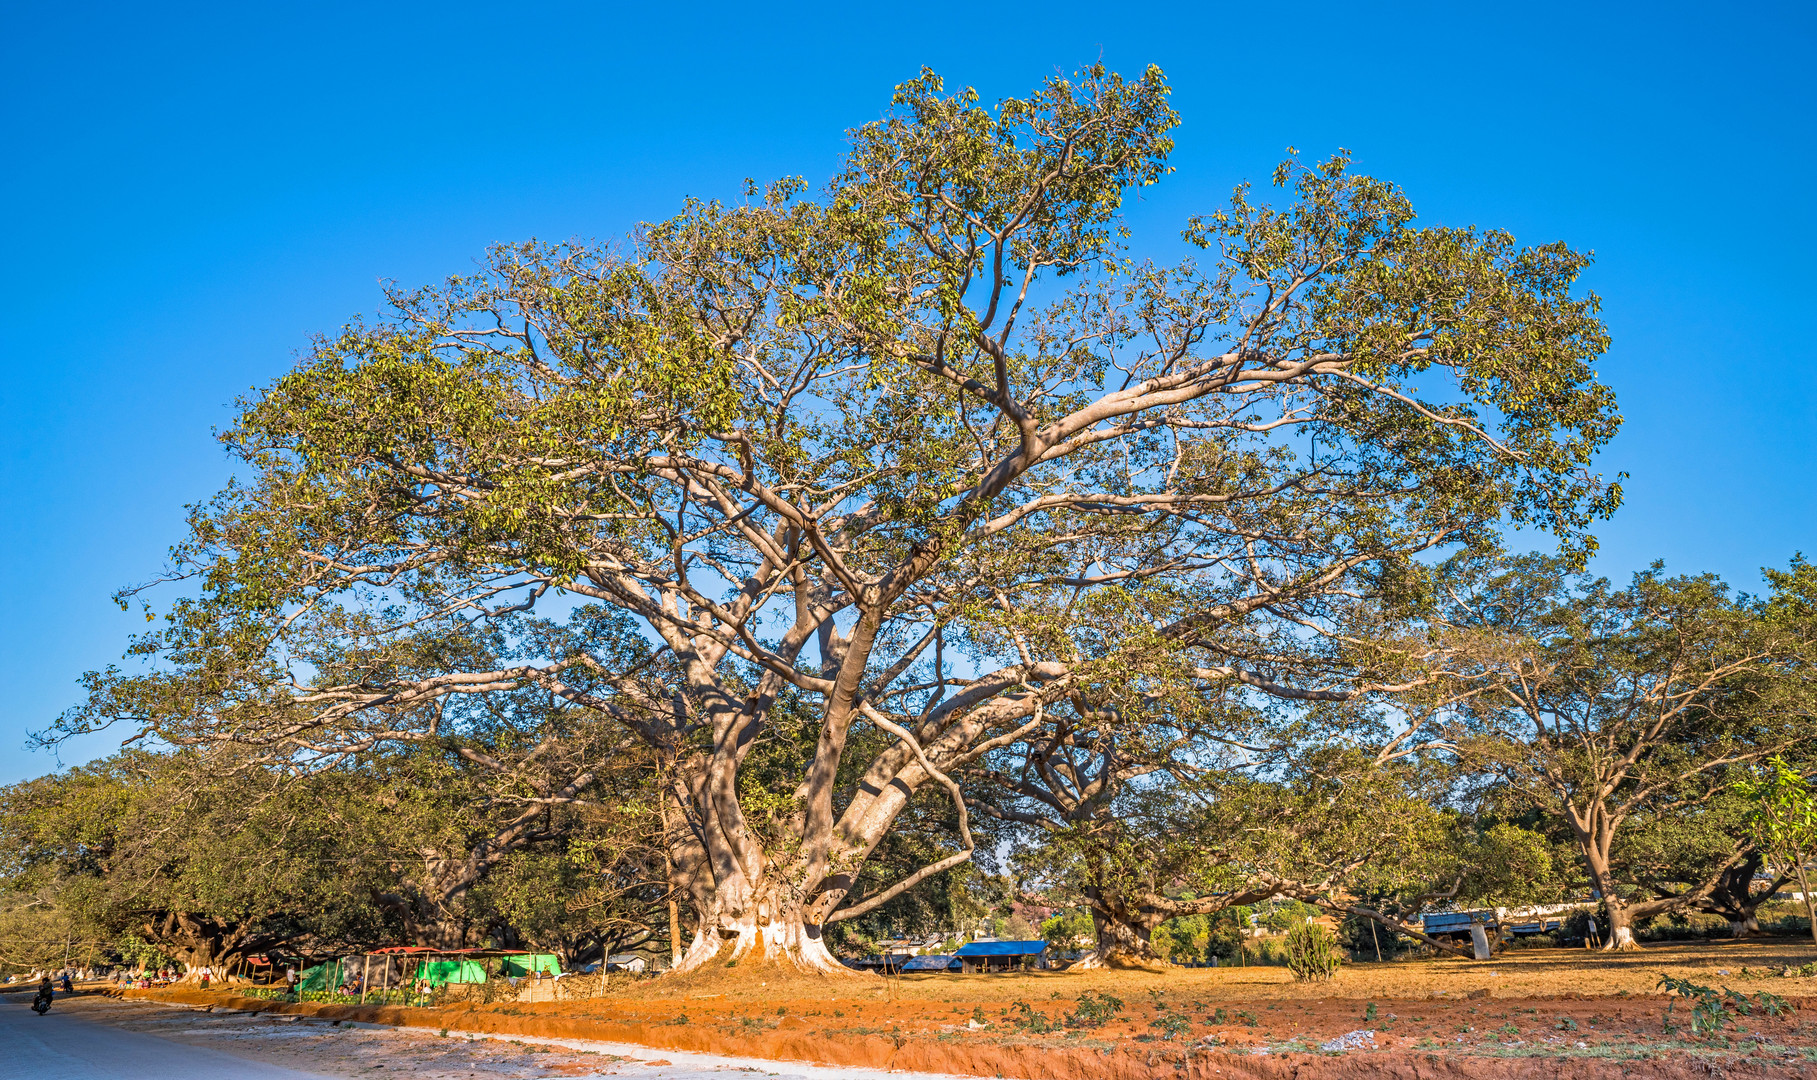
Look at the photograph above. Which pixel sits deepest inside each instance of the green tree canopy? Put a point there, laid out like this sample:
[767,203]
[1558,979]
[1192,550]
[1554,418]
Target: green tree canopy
[827,445]
[1625,709]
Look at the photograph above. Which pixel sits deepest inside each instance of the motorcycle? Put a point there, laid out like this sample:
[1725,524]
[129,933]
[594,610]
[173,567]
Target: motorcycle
[41,1003]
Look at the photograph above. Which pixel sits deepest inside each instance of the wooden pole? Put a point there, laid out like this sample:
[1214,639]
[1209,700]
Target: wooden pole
[1377,940]
[1804,889]
[675,913]
[365,975]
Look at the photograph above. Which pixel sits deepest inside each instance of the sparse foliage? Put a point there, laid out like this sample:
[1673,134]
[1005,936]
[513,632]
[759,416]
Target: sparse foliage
[1783,815]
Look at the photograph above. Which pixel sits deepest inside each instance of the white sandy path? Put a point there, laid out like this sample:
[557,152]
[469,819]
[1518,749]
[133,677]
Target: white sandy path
[637,1060]
[684,1065]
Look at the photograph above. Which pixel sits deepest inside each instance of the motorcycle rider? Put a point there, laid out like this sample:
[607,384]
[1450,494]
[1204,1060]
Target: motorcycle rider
[41,1001]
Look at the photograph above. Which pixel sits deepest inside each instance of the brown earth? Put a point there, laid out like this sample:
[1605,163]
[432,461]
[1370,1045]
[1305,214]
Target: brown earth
[1539,1013]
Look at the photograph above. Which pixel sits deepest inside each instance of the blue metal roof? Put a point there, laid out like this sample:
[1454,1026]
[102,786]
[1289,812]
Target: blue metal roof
[1002,948]
[936,962]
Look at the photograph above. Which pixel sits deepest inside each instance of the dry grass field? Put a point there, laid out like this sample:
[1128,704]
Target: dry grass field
[1565,1013]
[1520,973]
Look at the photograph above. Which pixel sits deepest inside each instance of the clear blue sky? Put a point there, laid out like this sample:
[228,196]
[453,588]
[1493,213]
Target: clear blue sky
[190,191]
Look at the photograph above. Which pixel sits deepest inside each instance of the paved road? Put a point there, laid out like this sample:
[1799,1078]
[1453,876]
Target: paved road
[61,1045]
[108,1039]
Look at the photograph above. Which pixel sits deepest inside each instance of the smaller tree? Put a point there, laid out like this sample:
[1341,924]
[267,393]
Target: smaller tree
[38,932]
[1784,819]
[1613,708]
[1071,929]
[1663,855]
[207,866]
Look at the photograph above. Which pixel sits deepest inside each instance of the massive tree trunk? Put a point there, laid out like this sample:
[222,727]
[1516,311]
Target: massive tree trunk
[767,895]
[754,904]
[744,914]
[1124,926]
[1595,832]
[1735,898]
[1619,912]
[198,941]
[768,930]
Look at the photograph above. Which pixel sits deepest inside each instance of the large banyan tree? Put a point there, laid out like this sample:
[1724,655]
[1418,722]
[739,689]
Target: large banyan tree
[887,471]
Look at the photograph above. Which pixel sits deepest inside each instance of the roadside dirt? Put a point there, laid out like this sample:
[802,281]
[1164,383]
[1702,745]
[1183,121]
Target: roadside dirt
[346,1050]
[1507,1019]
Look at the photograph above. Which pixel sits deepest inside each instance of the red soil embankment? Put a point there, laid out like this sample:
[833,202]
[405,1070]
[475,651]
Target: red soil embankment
[791,1040]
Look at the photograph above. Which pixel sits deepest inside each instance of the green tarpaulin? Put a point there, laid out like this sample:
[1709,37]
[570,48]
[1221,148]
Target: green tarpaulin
[439,972]
[331,975]
[322,977]
[521,966]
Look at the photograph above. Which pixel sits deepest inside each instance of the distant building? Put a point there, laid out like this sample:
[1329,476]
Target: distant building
[883,963]
[911,945]
[933,962]
[986,956]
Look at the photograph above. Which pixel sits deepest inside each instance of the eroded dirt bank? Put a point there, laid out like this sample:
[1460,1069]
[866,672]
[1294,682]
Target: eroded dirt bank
[1479,1038]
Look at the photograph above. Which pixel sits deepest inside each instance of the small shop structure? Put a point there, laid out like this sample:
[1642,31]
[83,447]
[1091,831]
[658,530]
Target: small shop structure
[882,963]
[932,962]
[405,969]
[987,956]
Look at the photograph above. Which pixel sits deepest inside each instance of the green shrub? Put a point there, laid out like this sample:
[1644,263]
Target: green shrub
[1682,926]
[1268,951]
[1713,1010]
[1312,953]
[1094,1010]
[1027,1019]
